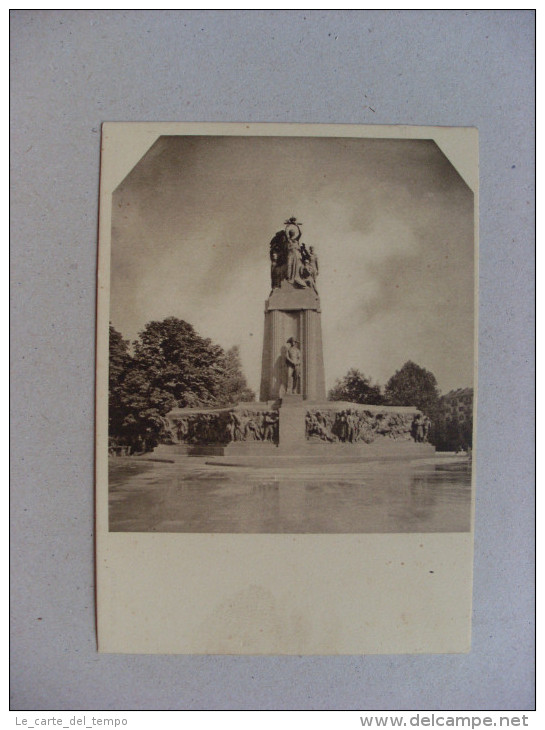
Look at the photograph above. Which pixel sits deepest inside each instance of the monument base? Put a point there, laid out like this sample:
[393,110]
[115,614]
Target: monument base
[296,428]
[316,454]
[291,424]
[267,456]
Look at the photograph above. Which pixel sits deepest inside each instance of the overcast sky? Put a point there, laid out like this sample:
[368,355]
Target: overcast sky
[390,220]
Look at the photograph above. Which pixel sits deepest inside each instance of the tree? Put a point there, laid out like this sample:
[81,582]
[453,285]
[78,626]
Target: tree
[144,409]
[172,366]
[136,408]
[356,388]
[413,386]
[119,357]
[179,361]
[118,367]
[450,434]
[234,387]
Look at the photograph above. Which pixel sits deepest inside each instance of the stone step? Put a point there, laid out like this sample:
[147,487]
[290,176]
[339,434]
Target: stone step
[292,399]
[329,455]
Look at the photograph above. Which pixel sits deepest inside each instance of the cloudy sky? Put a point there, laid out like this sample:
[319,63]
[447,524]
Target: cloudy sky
[390,220]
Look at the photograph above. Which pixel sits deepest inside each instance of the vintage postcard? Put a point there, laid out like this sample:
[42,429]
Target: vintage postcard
[286,385]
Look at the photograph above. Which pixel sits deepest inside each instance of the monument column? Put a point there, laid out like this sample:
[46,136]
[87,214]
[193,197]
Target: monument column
[292,313]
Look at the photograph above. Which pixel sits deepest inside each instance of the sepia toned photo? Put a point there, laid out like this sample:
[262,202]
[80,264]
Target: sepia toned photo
[291,373]
[290,324]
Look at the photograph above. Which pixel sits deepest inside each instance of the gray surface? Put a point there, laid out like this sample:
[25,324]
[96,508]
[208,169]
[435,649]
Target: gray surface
[72,70]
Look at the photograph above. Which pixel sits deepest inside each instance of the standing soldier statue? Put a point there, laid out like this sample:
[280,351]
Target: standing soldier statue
[293,361]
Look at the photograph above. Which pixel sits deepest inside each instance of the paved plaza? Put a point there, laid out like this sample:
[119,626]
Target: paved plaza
[191,495]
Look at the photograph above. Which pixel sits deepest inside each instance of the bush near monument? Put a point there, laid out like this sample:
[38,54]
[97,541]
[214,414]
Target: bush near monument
[171,365]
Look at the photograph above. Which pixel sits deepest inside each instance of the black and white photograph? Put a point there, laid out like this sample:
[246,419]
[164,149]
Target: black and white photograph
[285,388]
[291,337]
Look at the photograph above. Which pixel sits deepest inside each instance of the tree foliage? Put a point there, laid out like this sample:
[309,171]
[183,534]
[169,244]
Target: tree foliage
[413,386]
[356,388]
[451,434]
[119,365]
[178,361]
[233,387]
[172,365]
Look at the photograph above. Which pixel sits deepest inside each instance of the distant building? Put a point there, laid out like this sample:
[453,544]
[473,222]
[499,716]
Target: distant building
[458,403]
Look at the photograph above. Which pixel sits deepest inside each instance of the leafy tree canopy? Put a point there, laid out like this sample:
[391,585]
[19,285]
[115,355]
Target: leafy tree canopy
[171,365]
[413,386]
[119,356]
[356,388]
[234,388]
[451,434]
[179,361]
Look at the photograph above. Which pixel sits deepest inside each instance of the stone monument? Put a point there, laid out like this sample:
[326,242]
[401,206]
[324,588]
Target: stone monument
[292,418]
[292,321]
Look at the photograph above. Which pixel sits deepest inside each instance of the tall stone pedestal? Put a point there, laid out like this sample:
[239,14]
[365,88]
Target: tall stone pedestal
[292,312]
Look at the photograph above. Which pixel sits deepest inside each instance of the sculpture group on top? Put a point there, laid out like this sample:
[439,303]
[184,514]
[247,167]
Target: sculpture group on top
[290,259]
